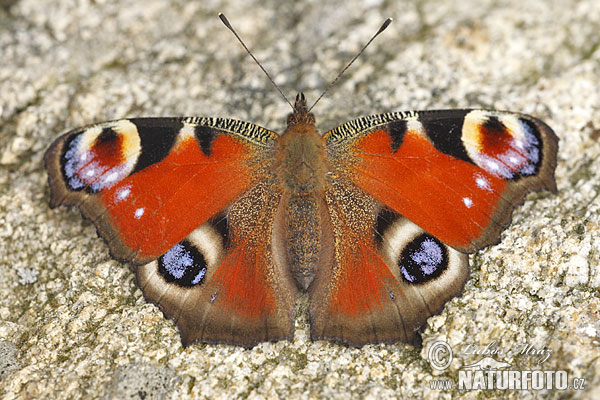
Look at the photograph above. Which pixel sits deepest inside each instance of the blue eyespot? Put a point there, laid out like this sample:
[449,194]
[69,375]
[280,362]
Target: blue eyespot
[423,259]
[183,265]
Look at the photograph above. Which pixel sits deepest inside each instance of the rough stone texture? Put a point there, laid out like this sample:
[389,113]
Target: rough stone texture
[141,381]
[77,317]
[8,359]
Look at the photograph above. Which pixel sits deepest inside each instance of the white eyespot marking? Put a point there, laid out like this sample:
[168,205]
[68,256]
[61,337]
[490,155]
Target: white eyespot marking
[513,160]
[187,132]
[138,213]
[518,143]
[213,297]
[123,193]
[112,177]
[90,172]
[493,165]
[468,202]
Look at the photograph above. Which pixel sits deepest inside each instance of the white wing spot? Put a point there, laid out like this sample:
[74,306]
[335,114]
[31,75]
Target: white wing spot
[468,202]
[123,193]
[138,213]
[90,172]
[483,183]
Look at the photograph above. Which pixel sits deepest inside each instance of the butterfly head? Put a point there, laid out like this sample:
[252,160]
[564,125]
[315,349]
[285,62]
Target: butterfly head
[300,114]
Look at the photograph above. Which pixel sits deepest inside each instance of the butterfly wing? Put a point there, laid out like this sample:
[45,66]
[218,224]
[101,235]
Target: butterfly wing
[457,174]
[409,194]
[147,183]
[174,194]
[225,283]
[376,290]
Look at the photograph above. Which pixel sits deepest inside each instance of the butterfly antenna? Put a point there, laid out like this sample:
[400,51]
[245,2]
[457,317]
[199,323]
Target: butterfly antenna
[383,27]
[228,25]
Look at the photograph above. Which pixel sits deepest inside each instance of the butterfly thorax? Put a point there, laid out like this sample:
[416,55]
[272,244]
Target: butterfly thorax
[302,160]
[302,168]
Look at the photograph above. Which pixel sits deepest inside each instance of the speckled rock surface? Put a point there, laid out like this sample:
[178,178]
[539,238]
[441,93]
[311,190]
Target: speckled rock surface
[72,322]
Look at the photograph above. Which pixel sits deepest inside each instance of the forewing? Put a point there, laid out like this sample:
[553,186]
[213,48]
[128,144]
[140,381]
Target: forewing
[457,174]
[147,183]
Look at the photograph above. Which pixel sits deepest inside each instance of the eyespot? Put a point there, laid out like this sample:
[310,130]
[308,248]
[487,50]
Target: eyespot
[183,265]
[503,144]
[190,262]
[100,156]
[424,258]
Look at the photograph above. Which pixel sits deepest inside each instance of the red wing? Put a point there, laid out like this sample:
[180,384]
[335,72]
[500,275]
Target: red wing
[223,283]
[457,174]
[194,199]
[387,275]
[147,183]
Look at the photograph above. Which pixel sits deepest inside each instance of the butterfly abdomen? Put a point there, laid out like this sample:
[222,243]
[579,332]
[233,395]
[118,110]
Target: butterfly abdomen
[302,171]
[303,237]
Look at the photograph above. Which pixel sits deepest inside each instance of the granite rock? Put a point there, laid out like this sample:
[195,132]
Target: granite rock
[74,316]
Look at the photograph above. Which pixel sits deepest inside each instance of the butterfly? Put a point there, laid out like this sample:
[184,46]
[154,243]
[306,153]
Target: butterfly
[228,222]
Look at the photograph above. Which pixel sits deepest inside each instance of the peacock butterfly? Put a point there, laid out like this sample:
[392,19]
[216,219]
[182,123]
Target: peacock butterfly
[227,221]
